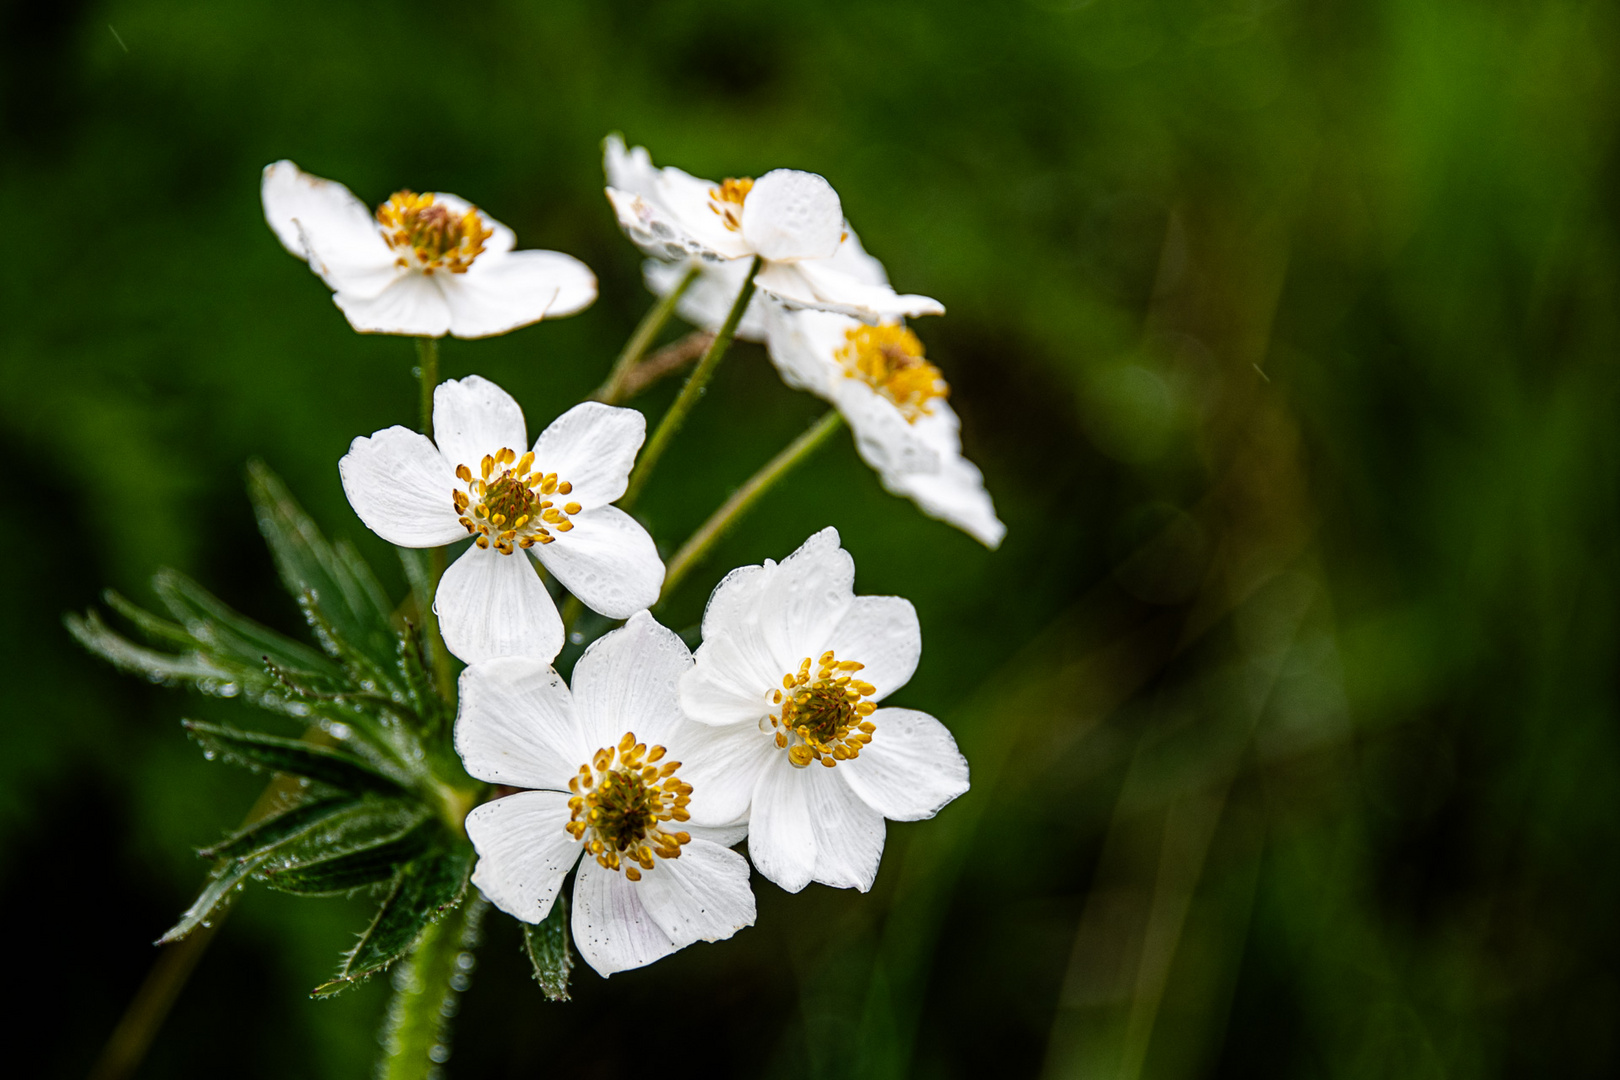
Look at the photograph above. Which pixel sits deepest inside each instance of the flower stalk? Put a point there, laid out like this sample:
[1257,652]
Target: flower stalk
[416,1033]
[743,499]
[427,373]
[613,390]
[676,416]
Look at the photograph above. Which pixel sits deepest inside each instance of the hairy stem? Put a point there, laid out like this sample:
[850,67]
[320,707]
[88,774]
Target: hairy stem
[416,1033]
[427,373]
[614,389]
[672,421]
[742,500]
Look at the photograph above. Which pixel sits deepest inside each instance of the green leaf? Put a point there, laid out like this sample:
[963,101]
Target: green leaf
[423,892]
[271,753]
[417,671]
[224,881]
[340,594]
[549,950]
[159,667]
[357,869]
[265,836]
[220,630]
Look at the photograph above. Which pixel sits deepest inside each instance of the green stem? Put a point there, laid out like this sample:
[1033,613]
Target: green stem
[427,372]
[416,1033]
[672,421]
[743,499]
[612,391]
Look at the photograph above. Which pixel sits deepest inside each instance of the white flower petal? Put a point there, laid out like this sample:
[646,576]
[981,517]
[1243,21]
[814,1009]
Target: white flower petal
[628,170]
[593,447]
[707,301]
[884,438]
[803,345]
[503,292]
[852,260]
[665,234]
[358,270]
[608,561]
[734,604]
[816,283]
[612,930]
[326,209]
[626,682]
[411,304]
[780,839]
[724,835]
[910,769]
[523,851]
[849,833]
[955,495]
[881,632]
[791,215]
[808,594]
[732,681]
[723,765]
[400,486]
[473,417]
[501,238]
[492,605]
[701,896]
[516,725]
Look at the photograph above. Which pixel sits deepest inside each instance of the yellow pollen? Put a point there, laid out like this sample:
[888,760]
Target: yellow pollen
[889,359]
[823,718]
[727,201]
[502,505]
[429,236]
[621,804]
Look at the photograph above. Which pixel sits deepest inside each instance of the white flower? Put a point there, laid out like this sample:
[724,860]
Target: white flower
[604,765]
[894,400]
[426,264]
[789,676]
[792,220]
[551,501]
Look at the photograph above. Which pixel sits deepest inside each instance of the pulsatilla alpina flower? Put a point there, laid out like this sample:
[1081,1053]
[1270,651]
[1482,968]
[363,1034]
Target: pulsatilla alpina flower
[895,402]
[551,501]
[606,767]
[788,680]
[424,264]
[791,220]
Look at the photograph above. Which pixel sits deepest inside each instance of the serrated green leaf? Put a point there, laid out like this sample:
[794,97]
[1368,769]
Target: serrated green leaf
[227,876]
[551,954]
[155,627]
[271,753]
[161,667]
[372,820]
[422,893]
[339,593]
[220,630]
[356,869]
[265,836]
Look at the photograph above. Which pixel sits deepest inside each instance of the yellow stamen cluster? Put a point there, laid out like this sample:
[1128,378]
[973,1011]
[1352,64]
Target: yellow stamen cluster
[890,359]
[621,805]
[824,719]
[727,201]
[430,236]
[508,504]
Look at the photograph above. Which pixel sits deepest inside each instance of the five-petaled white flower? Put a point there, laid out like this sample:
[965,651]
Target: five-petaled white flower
[792,220]
[789,676]
[608,771]
[425,264]
[894,400]
[551,501]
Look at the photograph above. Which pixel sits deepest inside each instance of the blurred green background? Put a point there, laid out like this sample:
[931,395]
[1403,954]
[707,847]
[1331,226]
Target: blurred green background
[1284,332]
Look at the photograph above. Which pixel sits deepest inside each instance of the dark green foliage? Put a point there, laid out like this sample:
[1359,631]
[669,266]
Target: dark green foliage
[422,892]
[550,950]
[359,798]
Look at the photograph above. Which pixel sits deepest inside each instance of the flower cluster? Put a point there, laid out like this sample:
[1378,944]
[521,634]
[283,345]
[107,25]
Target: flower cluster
[639,772]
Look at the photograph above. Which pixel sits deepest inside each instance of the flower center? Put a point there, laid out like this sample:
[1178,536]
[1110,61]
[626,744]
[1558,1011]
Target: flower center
[509,502]
[727,201]
[619,807]
[430,236]
[890,359]
[825,718]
